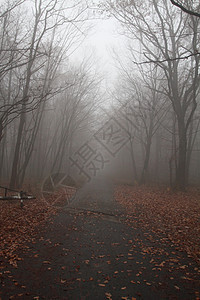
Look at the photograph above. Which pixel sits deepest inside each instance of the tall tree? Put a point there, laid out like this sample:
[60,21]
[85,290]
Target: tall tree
[163,35]
[145,107]
[49,16]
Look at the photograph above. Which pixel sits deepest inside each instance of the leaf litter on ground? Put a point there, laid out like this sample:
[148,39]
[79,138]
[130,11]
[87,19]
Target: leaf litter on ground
[170,216]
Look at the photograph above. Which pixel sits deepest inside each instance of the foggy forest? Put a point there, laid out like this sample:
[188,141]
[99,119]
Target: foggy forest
[102,146]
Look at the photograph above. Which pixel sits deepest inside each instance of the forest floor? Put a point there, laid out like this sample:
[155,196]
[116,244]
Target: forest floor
[109,242]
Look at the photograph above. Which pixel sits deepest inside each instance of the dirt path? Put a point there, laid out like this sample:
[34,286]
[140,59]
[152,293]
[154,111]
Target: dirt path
[88,252]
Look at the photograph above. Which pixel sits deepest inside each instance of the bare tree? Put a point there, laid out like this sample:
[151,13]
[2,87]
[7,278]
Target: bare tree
[145,107]
[164,34]
[76,108]
[49,16]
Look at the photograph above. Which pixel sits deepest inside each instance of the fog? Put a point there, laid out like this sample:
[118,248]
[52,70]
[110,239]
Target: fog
[99,89]
[99,149]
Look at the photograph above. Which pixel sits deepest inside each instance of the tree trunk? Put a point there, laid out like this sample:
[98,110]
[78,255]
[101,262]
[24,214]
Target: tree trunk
[146,162]
[190,146]
[135,175]
[180,183]
[14,172]
[31,58]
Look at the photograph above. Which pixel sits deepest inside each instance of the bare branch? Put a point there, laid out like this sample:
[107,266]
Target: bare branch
[165,60]
[186,10]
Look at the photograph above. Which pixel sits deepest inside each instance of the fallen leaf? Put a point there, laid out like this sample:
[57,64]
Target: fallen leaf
[101,284]
[62,281]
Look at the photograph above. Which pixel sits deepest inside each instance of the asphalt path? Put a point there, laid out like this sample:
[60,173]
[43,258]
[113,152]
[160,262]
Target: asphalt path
[89,252]
[97,195]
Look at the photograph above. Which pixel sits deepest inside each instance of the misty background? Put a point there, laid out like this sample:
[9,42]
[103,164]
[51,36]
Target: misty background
[99,87]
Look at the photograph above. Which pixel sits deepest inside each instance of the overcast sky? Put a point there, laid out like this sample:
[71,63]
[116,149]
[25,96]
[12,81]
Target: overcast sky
[99,44]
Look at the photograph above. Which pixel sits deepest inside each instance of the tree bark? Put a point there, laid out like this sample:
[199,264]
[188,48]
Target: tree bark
[182,157]
[143,177]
